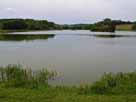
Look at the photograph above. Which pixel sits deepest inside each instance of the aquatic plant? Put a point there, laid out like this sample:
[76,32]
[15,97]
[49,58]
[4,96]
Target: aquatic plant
[17,76]
[118,83]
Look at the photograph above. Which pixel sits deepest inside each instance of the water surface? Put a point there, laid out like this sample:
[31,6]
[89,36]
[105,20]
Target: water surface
[79,56]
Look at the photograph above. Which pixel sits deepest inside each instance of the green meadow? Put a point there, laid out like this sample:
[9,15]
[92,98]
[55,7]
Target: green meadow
[125,27]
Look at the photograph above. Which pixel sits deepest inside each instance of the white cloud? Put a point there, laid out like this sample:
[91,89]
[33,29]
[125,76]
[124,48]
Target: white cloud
[9,9]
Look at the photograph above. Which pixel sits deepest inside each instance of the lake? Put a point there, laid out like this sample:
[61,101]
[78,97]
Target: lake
[78,56]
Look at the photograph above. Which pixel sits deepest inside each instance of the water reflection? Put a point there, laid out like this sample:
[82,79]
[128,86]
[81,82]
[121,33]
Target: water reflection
[108,36]
[26,37]
[112,36]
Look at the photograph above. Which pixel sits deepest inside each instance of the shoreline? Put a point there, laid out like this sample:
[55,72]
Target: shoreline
[119,87]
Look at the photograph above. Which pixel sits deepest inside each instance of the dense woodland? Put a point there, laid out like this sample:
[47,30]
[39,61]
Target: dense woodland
[27,24]
[107,25]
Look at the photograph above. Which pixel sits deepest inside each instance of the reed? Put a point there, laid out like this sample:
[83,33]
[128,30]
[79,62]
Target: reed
[111,84]
[17,76]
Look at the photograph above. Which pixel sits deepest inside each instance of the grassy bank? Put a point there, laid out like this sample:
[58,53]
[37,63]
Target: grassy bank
[3,31]
[18,84]
[125,27]
[57,95]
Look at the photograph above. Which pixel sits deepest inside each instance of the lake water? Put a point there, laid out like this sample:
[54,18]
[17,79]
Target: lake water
[79,56]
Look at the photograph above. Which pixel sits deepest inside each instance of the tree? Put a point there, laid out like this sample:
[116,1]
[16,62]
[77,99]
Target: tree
[104,26]
[14,24]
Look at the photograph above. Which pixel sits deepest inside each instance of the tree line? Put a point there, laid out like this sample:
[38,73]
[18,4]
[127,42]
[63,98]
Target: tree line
[27,24]
[106,25]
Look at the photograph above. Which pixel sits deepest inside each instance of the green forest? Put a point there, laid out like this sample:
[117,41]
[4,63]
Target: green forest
[106,25]
[27,24]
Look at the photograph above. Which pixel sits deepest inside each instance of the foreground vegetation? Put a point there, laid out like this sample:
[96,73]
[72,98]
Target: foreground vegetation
[57,95]
[16,76]
[24,85]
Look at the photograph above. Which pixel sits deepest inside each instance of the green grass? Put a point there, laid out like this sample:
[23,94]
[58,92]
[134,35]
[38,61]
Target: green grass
[3,31]
[125,27]
[57,95]
[16,85]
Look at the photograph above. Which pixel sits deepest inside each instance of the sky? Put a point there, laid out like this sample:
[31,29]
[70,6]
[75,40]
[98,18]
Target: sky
[69,11]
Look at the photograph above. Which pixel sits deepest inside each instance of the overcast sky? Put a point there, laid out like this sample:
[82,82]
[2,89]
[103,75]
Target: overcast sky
[69,11]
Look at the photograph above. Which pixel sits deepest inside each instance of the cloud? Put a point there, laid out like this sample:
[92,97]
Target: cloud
[69,11]
[9,9]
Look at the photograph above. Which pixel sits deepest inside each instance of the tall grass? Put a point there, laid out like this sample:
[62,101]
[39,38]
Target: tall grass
[17,76]
[111,83]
